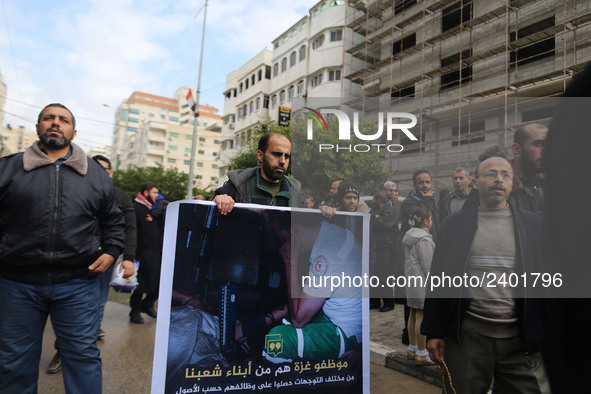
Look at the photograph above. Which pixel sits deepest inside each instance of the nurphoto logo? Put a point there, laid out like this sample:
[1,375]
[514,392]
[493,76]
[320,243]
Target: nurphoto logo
[401,121]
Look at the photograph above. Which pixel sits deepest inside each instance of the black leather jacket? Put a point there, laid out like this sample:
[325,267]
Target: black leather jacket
[55,220]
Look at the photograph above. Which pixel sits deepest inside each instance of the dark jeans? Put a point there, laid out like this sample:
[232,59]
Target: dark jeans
[73,309]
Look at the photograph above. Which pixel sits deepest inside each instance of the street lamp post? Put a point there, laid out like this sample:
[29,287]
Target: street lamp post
[197,93]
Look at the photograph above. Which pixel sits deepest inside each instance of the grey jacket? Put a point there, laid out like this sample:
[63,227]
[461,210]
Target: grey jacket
[418,253]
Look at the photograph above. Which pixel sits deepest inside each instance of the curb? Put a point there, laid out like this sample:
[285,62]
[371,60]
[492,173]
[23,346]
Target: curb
[388,358]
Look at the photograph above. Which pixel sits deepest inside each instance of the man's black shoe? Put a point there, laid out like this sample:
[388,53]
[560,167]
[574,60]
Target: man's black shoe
[404,337]
[386,308]
[149,310]
[136,317]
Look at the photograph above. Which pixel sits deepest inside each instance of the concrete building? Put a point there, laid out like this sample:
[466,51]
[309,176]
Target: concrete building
[474,64]
[153,129]
[308,60]
[14,140]
[2,98]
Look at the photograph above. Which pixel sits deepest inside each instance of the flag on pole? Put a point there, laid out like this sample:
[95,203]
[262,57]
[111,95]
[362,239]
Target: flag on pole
[190,100]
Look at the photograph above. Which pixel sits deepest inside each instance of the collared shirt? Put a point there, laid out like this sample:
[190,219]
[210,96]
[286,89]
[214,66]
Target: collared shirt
[456,202]
[61,160]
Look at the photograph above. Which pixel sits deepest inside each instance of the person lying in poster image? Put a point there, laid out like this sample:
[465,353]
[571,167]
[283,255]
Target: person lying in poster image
[328,322]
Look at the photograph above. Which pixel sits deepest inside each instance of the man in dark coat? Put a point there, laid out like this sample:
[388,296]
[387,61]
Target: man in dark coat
[148,253]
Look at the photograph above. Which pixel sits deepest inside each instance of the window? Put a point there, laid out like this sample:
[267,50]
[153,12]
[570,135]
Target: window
[198,176]
[300,88]
[151,115]
[246,84]
[175,135]
[201,152]
[134,120]
[214,166]
[171,160]
[199,164]
[123,115]
[267,72]
[302,52]
[187,150]
[265,101]
[284,64]
[134,111]
[317,43]
[251,107]
[405,43]
[334,75]
[456,14]
[403,5]
[214,153]
[290,92]
[132,129]
[257,104]
[456,77]
[213,178]
[260,75]
[187,162]
[404,93]
[274,101]
[336,35]
[317,80]
[173,147]
[201,139]
[162,116]
[253,79]
[282,97]
[173,118]
[275,69]
[216,142]
[464,133]
[292,59]
[535,50]
[189,136]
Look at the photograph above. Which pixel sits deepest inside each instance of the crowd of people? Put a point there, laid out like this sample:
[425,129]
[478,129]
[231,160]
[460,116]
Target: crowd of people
[57,258]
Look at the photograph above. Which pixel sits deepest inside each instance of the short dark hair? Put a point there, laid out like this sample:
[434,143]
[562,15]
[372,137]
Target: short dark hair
[264,141]
[381,195]
[102,158]
[147,186]
[521,135]
[59,106]
[419,215]
[417,173]
[460,169]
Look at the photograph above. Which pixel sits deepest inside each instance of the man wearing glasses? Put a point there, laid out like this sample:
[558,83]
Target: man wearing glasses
[478,330]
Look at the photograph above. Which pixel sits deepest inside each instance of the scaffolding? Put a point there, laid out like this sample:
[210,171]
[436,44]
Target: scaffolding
[456,57]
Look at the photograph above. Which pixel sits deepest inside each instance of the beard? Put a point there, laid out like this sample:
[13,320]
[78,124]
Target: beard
[54,142]
[270,171]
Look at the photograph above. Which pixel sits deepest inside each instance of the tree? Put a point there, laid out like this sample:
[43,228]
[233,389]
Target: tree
[171,183]
[314,169]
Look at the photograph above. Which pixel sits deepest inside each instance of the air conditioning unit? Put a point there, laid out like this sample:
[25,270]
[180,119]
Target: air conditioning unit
[231,126]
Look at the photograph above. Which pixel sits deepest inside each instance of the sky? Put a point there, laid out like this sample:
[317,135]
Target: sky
[90,55]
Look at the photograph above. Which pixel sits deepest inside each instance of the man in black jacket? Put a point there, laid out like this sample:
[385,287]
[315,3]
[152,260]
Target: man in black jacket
[59,228]
[264,185]
[483,328]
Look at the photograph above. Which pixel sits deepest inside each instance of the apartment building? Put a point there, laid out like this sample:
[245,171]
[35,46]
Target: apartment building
[472,71]
[151,129]
[308,60]
[14,140]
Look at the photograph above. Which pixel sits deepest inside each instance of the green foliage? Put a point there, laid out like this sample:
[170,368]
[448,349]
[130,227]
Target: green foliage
[317,170]
[171,183]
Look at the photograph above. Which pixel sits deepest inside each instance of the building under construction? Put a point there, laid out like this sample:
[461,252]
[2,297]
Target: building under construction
[472,71]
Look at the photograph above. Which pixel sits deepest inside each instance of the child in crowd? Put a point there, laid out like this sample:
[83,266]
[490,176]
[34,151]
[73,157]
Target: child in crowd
[418,252]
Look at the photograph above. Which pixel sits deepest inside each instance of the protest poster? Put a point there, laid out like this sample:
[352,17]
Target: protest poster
[224,322]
